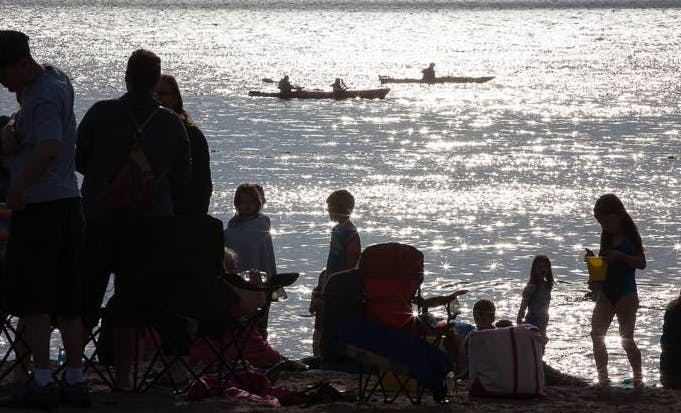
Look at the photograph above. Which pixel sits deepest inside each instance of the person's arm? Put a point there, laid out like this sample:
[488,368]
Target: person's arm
[527,292]
[201,169]
[48,142]
[637,261]
[45,153]
[316,298]
[353,249]
[85,140]
[270,262]
[182,162]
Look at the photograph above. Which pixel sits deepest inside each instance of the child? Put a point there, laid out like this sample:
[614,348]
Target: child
[622,247]
[537,295]
[343,252]
[484,314]
[248,232]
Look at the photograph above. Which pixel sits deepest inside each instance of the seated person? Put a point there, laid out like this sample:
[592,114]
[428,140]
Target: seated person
[429,73]
[670,358]
[455,342]
[256,350]
[284,86]
[339,86]
[503,324]
[484,314]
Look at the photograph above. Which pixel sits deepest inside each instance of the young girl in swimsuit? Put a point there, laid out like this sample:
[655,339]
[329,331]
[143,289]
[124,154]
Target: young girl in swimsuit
[622,248]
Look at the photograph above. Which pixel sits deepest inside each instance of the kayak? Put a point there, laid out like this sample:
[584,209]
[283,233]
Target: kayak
[445,79]
[320,94]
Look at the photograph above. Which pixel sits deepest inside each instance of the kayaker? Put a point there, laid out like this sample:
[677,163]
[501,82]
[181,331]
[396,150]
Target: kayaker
[429,73]
[285,87]
[339,86]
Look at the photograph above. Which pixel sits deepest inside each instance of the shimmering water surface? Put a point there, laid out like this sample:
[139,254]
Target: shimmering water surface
[479,177]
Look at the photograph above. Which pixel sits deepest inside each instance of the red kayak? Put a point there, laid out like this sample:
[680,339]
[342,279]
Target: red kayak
[320,94]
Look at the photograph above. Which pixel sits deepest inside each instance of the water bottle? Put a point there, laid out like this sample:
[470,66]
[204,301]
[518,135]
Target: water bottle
[61,356]
[451,385]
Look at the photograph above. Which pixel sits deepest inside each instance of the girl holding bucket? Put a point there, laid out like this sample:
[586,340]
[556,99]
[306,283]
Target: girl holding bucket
[622,249]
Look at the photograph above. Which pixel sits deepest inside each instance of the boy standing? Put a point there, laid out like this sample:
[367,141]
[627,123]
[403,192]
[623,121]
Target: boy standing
[43,251]
[344,252]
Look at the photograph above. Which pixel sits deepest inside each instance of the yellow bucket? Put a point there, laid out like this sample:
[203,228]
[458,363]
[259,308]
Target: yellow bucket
[598,268]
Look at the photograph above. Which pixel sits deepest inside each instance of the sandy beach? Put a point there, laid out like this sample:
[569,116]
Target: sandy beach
[562,398]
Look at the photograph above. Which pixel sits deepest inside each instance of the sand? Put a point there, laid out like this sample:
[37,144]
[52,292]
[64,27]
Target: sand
[563,398]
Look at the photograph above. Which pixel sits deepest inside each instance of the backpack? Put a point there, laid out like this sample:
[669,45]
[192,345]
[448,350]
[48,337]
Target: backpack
[133,186]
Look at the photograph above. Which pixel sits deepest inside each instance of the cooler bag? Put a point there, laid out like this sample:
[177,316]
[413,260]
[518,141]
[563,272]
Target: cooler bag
[506,362]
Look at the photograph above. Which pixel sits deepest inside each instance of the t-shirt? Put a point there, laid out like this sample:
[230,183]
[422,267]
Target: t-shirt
[344,249]
[47,114]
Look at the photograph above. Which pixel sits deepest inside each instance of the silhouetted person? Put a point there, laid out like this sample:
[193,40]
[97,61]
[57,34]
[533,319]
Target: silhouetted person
[339,86]
[192,197]
[43,278]
[105,138]
[285,87]
[429,73]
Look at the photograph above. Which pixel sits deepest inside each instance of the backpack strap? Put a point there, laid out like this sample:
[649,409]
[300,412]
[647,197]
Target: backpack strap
[139,127]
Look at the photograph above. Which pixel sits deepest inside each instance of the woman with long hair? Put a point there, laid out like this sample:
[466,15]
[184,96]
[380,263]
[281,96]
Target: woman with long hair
[192,198]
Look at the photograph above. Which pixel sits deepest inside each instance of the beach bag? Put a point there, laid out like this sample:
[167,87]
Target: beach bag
[506,362]
[133,186]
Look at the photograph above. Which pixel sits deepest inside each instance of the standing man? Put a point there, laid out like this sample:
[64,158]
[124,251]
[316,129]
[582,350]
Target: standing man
[106,135]
[43,253]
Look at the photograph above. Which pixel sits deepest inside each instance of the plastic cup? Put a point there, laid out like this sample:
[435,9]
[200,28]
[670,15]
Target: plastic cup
[598,268]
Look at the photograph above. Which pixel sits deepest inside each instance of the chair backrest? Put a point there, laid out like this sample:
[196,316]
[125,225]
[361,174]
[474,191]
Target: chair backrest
[175,247]
[391,275]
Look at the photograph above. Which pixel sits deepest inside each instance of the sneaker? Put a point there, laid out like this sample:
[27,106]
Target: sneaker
[75,395]
[30,395]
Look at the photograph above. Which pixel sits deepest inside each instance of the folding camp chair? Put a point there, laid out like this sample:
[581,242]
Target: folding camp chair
[161,262]
[179,264]
[11,338]
[389,342]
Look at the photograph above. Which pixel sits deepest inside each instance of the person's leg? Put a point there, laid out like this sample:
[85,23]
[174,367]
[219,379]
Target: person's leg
[600,322]
[71,334]
[37,335]
[30,281]
[626,309]
[125,347]
[96,269]
[69,294]
[22,353]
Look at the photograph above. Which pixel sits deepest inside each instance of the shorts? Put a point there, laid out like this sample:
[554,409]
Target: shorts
[43,259]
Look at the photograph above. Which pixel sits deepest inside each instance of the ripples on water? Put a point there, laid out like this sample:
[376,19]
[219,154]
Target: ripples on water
[479,177]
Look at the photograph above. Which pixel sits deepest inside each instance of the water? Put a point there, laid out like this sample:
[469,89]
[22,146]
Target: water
[479,177]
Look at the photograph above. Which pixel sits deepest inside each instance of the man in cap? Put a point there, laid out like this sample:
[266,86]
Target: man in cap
[43,280]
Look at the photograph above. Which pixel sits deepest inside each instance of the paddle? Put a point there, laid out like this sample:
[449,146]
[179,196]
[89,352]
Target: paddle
[268,80]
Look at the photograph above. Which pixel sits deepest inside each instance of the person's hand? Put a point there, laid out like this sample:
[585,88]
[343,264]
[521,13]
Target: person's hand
[613,255]
[10,140]
[315,303]
[15,198]
[588,254]
[255,277]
